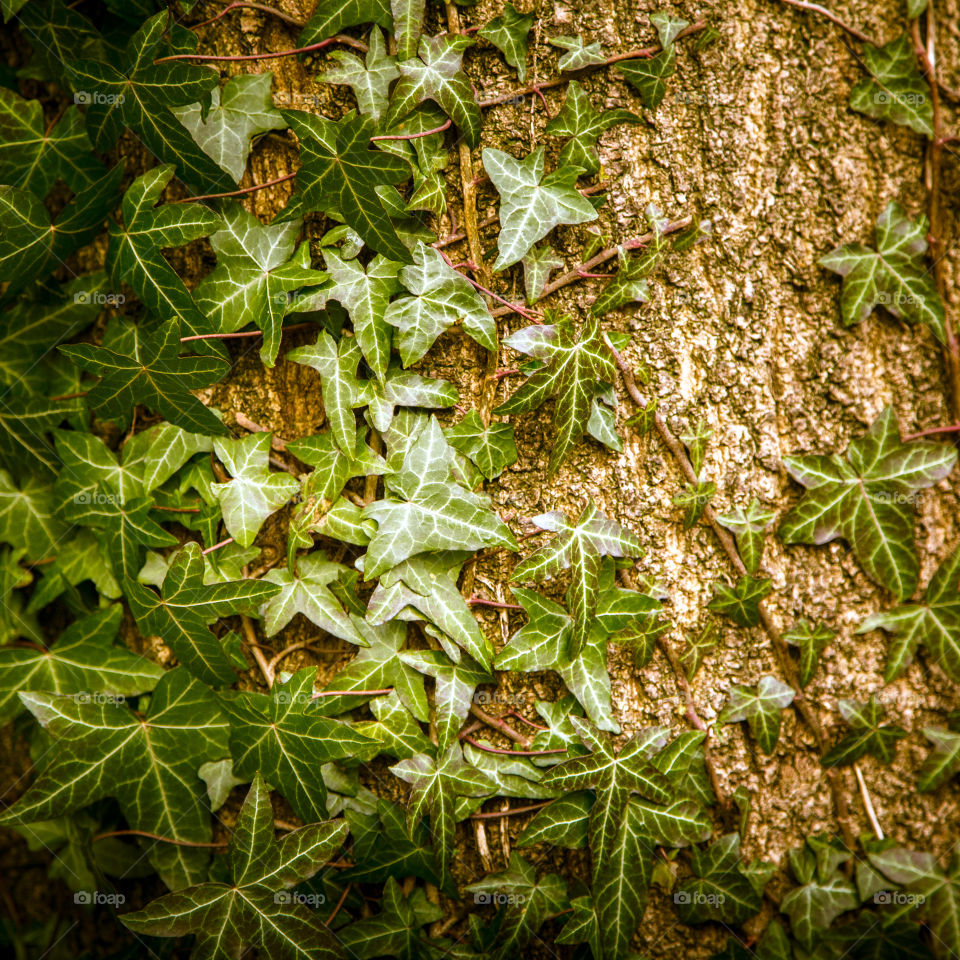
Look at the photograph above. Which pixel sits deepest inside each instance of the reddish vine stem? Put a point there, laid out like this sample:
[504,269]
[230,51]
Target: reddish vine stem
[245,333]
[236,58]
[931,431]
[786,664]
[498,724]
[509,812]
[503,750]
[175,509]
[340,902]
[217,546]
[238,193]
[69,396]
[156,836]
[351,693]
[245,4]
[536,88]
[483,602]
[523,719]
[413,136]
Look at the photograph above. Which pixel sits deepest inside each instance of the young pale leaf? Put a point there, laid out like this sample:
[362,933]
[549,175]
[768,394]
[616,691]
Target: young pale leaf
[508,33]
[437,74]
[440,296]
[254,493]
[369,79]
[943,760]
[648,77]
[668,28]
[583,125]
[254,909]
[894,276]
[748,527]
[697,648]
[868,499]
[579,54]
[896,89]
[696,439]
[538,264]
[103,749]
[281,735]
[242,110]
[761,708]
[491,448]
[531,205]
[811,640]
[867,735]
[694,499]
[741,603]
[181,615]
[572,370]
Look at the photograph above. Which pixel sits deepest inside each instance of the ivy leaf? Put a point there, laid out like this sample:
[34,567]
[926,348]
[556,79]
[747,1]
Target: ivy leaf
[331,16]
[583,125]
[229,917]
[186,606]
[614,777]
[579,54]
[868,499]
[28,516]
[402,388]
[82,661]
[134,250]
[696,439]
[529,902]
[435,786]
[867,735]
[544,644]
[437,74]
[531,205]
[138,93]
[720,890]
[369,79]
[578,547]
[281,735]
[538,264]
[102,749]
[943,760]
[811,641]
[151,372]
[257,266]
[748,527]
[491,448]
[894,276]
[242,110]
[573,370]
[648,77]
[396,729]
[254,493]
[508,33]
[668,28]
[562,822]
[340,173]
[33,158]
[407,26]
[697,648]
[760,707]
[31,246]
[694,498]
[440,297]
[896,89]
[741,603]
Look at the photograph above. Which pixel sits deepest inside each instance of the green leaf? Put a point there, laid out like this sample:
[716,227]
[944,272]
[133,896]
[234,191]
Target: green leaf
[668,28]
[867,735]
[340,173]
[254,909]
[697,648]
[896,89]
[695,498]
[102,749]
[760,707]
[579,548]
[741,603]
[282,736]
[331,16]
[696,439]
[138,93]
[397,730]
[538,264]
[369,79]
[186,606]
[573,371]
[868,499]
[491,448]
[933,622]
[435,785]
[579,54]
[27,516]
[823,896]
[151,372]
[437,74]
[614,777]
[943,760]
[134,252]
[254,493]
[894,276]
[407,26]
[531,205]
[242,110]
[527,903]
[720,889]
[811,641]
[562,822]
[583,125]
[508,33]
[440,297]
[748,527]
[544,644]
[257,267]
[648,77]
[83,661]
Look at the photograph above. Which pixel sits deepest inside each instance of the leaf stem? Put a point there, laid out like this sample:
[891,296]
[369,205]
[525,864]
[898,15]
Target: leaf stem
[69,396]
[352,693]
[157,506]
[483,602]
[526,753]
[236,58]
[498,724]
[245,333]
[931,431]
[238,193]
[339,904]
[262,7]
[529,723]
[155,836]
[217,546]
[510,811]
[413,136]
[249,631]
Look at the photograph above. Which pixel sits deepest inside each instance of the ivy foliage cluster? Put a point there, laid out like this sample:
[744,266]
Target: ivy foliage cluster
[133,515]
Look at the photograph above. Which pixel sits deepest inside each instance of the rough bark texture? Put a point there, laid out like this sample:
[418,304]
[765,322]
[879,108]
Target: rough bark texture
[742,330]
